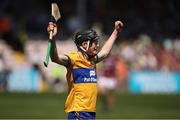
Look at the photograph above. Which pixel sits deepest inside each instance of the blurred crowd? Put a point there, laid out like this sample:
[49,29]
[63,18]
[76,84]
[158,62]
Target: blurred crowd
[147,54]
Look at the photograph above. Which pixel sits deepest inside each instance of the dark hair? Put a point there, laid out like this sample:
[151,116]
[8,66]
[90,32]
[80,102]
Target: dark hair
[88,35]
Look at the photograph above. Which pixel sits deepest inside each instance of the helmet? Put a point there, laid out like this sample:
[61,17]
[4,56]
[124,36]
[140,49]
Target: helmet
[88,35]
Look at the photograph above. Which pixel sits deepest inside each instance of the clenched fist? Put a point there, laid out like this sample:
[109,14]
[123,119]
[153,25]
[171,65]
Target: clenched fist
[52,27]
[118,25]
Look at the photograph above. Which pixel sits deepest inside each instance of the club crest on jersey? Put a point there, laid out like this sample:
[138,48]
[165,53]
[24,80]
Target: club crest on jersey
[92,73]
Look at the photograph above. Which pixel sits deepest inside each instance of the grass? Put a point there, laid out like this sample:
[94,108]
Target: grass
[51,106]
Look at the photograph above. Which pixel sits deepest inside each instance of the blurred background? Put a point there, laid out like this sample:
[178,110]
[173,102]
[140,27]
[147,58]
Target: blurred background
[146,57]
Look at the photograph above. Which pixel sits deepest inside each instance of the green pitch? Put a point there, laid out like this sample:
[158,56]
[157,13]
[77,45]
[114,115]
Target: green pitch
[50,106]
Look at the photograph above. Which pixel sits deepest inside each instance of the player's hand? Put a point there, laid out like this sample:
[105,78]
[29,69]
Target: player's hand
[118,25]
[52,27]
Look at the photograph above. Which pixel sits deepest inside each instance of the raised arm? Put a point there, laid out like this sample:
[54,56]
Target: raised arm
[55,57]
[109,43]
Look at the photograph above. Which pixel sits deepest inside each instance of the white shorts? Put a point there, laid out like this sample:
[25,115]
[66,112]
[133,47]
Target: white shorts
[106,82]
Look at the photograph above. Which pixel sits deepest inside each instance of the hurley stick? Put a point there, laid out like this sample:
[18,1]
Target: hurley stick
[55,15]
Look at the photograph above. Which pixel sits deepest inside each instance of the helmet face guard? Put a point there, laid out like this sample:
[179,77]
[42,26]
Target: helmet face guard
[82,36]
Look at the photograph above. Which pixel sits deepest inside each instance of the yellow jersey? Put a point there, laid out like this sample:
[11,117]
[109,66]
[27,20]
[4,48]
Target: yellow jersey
[82,83]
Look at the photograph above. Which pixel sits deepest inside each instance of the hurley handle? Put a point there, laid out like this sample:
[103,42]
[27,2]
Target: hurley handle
[48,50]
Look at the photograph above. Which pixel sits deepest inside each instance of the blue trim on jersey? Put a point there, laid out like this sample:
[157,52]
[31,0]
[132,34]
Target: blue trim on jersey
[81,115]
[84,75]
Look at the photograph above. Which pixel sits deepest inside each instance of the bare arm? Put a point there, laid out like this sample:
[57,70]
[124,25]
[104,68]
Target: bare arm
[109,43]
[55,57]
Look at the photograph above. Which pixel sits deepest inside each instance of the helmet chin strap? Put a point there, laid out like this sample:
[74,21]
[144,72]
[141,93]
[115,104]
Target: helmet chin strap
[85,50]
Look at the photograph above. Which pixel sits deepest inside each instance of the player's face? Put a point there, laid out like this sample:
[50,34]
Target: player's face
[94,49]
